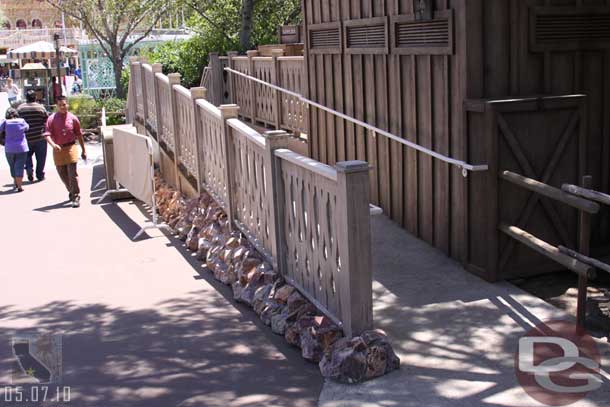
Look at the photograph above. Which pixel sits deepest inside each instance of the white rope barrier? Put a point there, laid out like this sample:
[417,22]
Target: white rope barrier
[464,166]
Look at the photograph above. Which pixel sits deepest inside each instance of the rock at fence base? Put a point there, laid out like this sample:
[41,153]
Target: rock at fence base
[269,310]
[202,250]
[232,243]
[307,309]
[293,332]
[345,361]
[311,349]
[295,301]
[278,322]
[237,290]
[246,267]
[228,276]
[261,297]
[361,358]
[219,269]
[283,293]
[192,239]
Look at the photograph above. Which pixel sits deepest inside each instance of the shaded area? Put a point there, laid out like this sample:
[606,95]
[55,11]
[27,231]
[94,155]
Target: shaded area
[186,351]
[456,335]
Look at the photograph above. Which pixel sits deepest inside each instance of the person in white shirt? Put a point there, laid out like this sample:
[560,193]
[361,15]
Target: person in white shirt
[12,90]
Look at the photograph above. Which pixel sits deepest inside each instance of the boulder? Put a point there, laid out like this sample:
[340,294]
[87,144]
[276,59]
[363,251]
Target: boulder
[283,293]
[353,360]
[278,322]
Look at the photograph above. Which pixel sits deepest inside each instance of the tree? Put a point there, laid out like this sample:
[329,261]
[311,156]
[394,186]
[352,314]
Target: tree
[117,25]
[242,23]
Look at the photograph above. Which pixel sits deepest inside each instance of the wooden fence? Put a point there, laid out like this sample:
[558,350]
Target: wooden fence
[258,103]
[310,220]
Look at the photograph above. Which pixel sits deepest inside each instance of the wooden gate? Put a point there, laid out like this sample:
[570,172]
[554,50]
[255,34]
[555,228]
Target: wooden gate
[543,139]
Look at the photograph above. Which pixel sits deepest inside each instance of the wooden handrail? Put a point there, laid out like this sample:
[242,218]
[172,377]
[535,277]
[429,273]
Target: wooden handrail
[587,193]
[550,192]
[585,259]
[547,250]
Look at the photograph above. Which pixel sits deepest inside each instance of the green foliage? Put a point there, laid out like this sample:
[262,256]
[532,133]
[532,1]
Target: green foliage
[125,74]
[218,32]
[85,108]
[88,110]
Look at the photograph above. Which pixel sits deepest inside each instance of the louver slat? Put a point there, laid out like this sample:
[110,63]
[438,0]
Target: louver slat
[569,28]
[423,37]
[366,36]
[325,38]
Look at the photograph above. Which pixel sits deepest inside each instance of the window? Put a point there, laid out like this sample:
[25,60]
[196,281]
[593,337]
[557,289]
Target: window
[21,25]
[36,23]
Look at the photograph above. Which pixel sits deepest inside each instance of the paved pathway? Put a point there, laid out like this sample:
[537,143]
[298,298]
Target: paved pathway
[138,329]
[456,335]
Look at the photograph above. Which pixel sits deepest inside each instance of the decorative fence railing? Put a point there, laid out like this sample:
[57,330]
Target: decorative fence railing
[258,103]
[310,220]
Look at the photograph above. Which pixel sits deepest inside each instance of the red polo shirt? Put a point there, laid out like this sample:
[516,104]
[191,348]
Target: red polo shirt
[63,128]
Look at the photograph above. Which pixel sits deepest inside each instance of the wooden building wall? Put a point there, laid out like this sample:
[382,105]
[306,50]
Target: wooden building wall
[471,49]
[418,96]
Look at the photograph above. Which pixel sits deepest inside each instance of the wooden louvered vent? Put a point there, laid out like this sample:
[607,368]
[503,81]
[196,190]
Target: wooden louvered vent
[570,28]
[434,37]
[325,38]
[366,36]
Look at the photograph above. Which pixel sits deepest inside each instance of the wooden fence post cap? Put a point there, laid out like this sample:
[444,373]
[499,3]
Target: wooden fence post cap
[213,54]
[229,111]
[252,53]
[274,134]
[156,68]
[277,52]
[232,54]
[143,60]
[348,167]
[133,59]
[174,78]
[198,92]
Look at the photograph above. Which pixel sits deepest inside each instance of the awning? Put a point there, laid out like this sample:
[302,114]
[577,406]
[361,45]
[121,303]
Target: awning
[39,50]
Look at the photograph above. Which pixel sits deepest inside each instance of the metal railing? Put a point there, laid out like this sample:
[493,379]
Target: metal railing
[464,166]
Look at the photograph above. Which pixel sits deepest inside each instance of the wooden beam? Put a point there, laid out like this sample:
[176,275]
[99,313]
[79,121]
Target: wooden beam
[550,192]
[585,259]
[587,193]
[546,249]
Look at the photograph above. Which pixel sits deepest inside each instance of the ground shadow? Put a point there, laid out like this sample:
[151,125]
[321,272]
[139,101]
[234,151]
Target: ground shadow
[60,205]
[165,356]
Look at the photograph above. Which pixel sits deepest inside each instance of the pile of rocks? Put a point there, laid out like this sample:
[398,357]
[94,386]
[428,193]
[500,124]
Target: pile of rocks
[232,259]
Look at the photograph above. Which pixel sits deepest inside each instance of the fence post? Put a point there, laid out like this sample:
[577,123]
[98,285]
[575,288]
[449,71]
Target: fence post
[143,60]
[197,93]
[156,68]
[354,239]
[215,90]
[174,79]
[132,103]
[276,53]
[584,240]
[275,196]
[229,112]
[251,67]
[231,55]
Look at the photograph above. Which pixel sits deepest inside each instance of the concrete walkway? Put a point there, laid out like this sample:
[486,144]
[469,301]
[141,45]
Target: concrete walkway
[138,328]
[456,335]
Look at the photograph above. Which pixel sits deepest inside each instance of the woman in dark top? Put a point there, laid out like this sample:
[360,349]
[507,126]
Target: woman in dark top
[15,145]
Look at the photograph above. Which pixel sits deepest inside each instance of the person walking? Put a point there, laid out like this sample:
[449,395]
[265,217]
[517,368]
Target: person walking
[12,90]
[15,145]
[62,130]
[36,116]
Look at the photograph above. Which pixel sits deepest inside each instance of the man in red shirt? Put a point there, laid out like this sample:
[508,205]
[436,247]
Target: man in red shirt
[62,131]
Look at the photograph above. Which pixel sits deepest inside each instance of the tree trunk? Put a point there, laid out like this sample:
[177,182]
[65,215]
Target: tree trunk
[117,63]
[247,12]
